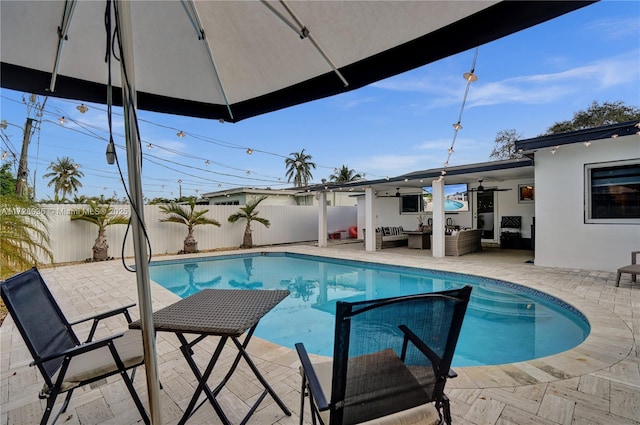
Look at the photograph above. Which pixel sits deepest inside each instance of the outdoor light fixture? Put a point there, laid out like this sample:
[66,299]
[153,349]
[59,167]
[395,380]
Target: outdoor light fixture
[149,146]
[207,162]
[180,134]
[82,108]
[111,153]
[249,151]
[62,120]
[470,77]
[457,126]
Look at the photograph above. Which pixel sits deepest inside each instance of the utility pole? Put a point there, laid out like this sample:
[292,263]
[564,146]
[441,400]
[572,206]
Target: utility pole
[23,172]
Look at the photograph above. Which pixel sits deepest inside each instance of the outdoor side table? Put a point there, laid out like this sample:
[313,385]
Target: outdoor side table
[227,313]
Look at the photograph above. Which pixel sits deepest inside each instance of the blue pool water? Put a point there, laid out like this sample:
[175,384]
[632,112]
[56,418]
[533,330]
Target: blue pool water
[505,322]
[451,205]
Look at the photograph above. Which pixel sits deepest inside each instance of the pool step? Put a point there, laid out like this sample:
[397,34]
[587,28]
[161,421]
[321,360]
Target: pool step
[491,302]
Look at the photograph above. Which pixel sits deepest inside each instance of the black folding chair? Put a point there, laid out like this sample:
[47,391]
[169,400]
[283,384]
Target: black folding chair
[391,360]
[64,362]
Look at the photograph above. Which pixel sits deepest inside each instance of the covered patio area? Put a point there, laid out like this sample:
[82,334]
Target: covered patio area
[596,382]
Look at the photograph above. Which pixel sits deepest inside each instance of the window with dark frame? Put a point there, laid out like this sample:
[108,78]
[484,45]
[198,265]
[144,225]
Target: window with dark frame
[614,191]
[411,203]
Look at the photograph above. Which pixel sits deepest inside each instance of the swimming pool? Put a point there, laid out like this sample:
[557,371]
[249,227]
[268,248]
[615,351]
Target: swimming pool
[505,322]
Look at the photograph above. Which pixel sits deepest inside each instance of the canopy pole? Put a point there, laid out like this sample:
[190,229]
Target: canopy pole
[134,161]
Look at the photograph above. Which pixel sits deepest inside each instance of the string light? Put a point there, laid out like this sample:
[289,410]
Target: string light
[4,154]
[207,162]
[249,151]
[82,108]
[469,77]
[587,143]
[149,146]
[62,120]
[180,134]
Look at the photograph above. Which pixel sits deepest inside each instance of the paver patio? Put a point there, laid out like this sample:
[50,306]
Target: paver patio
[597,382]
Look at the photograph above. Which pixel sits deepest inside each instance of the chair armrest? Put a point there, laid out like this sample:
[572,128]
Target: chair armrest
[310,375]
[121,310]
[79,349]
[424,349]
[634,257]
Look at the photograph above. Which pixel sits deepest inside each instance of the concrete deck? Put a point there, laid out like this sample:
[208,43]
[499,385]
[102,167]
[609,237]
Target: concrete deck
[597,382]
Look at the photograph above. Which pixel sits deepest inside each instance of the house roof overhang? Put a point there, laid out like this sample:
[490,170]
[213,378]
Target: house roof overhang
[494,171]
[528,147]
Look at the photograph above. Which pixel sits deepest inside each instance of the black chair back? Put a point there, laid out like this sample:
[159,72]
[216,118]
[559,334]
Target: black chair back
[393,354]
[39,319]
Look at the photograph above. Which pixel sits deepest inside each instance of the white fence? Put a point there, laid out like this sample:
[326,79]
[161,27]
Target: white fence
[73,240]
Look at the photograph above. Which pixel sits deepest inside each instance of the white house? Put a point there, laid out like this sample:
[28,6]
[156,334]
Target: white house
[587,196]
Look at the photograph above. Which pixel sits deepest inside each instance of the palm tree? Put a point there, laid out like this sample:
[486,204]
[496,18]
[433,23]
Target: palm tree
[249,213]
[344,175]
[103,217]
[65,177]
[24,235]
[190,218]
[299,167]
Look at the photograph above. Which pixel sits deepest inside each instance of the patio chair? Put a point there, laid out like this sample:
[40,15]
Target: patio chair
[391,361]
[64,362]
[633,269]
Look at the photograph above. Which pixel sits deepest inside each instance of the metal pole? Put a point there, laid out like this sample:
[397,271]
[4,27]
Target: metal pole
[134,161]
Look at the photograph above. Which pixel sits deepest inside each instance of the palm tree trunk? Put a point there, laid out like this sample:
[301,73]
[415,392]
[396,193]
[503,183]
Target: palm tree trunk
[100,247]
[190,243]
[247,240]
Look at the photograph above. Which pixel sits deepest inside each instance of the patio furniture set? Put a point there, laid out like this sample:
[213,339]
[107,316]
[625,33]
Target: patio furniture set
[391,362]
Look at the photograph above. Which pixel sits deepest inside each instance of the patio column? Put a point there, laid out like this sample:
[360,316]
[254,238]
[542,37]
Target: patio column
[437,247]
[369,220]
[322,219]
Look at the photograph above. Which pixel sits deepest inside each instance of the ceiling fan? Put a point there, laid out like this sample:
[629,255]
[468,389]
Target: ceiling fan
[481,188]
[386,195]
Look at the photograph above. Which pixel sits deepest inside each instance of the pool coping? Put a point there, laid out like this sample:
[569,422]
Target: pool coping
[609,342]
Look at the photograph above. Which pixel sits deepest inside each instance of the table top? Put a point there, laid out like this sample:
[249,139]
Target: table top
[223,312]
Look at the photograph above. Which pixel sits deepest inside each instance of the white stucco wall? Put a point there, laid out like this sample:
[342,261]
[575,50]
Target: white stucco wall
[72,240]
[563,239]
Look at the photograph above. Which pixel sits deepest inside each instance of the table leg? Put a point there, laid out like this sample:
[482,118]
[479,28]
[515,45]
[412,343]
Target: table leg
[202,379]
[267,387]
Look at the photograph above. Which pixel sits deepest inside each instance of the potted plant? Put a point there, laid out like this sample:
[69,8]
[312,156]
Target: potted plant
[103,217]
[190,218]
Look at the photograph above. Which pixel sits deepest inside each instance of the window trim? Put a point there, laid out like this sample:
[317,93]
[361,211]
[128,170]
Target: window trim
[588,168]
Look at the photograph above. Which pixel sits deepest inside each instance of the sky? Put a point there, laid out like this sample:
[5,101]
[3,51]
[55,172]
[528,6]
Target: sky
[526,81]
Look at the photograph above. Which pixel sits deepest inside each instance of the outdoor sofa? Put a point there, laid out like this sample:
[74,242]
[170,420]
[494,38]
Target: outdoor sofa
[461,242]
[389,237]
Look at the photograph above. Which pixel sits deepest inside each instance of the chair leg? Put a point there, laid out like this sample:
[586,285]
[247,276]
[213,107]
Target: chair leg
[63,408]
[134,396]
[446,410]
[303,391]
[47,410]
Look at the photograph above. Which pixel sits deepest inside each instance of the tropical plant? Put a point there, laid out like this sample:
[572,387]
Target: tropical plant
[344,175]
[102,216]
[7,181]
[24,235]
[299,167]
[249,213]
[65,177]
[190,218]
